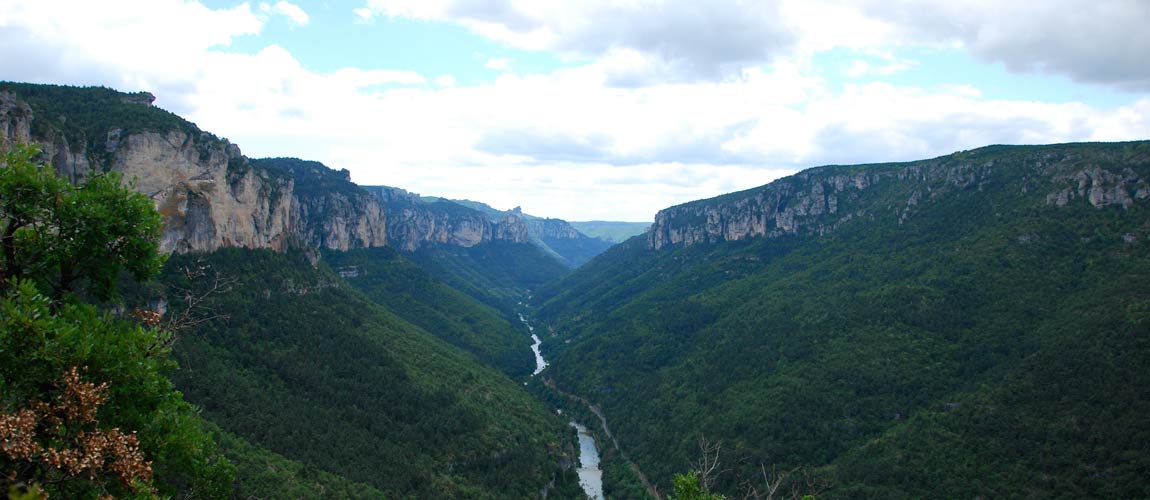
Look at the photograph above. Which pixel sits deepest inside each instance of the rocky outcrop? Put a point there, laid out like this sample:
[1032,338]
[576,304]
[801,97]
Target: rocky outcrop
[15,119]
[327,209]
[789,206]
[556,237]
[820,200]
[1100,187]
[415,222]
[552,229]
[209,194]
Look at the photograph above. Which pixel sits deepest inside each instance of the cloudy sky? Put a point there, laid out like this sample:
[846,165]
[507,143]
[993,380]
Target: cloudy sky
[604,109]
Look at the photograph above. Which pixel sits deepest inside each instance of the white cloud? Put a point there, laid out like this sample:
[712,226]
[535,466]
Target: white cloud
[1099,41]
[1096,41]
[446,81]
[355,78]
[498,63]
[364,14]
[691,40]
[156,45]
[637,125]
[289,10]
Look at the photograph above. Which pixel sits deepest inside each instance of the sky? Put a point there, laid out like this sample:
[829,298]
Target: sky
[604,109]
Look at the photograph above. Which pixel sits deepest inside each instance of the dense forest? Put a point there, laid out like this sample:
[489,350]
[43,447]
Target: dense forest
[294,357]
[990,344]
[398,283]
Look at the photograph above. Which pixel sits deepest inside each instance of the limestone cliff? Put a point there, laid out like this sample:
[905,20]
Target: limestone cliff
[415,222]
[328,210]
[556,237]
[820,200]
[552,229]
[208,193]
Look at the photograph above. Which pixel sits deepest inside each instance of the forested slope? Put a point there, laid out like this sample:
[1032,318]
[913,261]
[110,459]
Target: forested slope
[497,273]
[396,282]
[978,328]
[302,364]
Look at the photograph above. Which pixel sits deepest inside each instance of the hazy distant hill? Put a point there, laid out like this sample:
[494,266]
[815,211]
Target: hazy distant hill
[612,231]
[970,326]
[556,237]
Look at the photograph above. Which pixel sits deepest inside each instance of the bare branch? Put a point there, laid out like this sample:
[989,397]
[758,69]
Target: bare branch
[708,462]
[192,312]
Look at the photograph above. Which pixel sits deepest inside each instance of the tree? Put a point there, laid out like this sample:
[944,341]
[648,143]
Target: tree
[86,410]
[688,487]
[73,238]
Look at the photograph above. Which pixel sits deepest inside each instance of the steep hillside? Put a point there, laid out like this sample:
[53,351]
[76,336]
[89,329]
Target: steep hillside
[209,194]
[972,325]
[403,287]
[301,364]
[498,274]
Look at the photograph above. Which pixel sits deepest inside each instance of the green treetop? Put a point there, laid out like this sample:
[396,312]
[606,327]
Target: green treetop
[86,410]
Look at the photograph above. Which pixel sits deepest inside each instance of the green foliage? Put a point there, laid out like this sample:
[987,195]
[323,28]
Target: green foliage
[497,273]
[574,252]
[400,285]
[990,344]
[83,116]
[308,368]
[687,487]
[312,178]
[58,237]
[619,480]
[73,238]
[263,474]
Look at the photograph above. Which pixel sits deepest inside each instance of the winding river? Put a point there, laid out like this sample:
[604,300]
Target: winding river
[590,475]
[540,363]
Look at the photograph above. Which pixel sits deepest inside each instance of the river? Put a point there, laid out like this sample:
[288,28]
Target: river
[540,363]
[590,475]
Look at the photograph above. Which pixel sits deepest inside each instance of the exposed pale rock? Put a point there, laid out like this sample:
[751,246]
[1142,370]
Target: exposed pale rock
[204,188]
[414,223]
[808,202]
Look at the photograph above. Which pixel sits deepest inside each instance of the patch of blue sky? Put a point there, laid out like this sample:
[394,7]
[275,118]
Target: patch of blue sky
[336,38]
[932,69]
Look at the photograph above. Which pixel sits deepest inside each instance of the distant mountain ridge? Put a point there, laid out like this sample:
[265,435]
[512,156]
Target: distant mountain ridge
[557,237]
[612,231]
[212,196]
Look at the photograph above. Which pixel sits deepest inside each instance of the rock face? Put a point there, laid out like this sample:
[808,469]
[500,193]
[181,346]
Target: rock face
[15,119]
[820,200]
[212,196]
[414,222]
[553,229]
[556,237]
[208,201]
[208,193]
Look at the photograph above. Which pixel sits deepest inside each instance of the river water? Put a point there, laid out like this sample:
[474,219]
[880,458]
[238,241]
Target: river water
[590,475]
[540,363]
